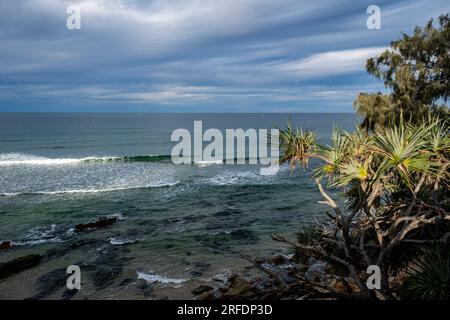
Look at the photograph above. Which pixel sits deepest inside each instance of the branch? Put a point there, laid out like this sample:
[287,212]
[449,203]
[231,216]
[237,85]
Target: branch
[329,201]
[321,251]
[362,249]
[414,223]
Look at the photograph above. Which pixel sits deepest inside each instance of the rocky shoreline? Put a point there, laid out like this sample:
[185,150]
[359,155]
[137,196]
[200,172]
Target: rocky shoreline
[282,277]
[293,277]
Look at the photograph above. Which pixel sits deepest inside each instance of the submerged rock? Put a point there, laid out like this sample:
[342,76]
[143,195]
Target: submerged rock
[65,249]
[5,245]
[201,289]
[199,268]
[146,288]
[227,241]
[107,268]
[102,222]
[50,283]
[18,265]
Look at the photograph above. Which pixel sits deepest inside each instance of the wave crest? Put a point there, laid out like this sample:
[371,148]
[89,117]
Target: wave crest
[11,159]
[81,191]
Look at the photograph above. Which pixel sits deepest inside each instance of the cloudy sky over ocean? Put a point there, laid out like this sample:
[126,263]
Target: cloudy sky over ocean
[196,55]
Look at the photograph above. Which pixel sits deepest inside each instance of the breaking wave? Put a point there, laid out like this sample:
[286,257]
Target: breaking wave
[14,159]
[154,278]
[81,191]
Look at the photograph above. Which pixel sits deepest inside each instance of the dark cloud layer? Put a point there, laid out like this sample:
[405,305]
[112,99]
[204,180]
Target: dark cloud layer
[195,55]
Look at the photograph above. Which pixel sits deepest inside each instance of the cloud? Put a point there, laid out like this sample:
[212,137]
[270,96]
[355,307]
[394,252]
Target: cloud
[194,54]
[331,63]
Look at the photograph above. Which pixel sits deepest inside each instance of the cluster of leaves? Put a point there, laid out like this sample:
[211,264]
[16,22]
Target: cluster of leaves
[396,185]
[307,236]
[384,167]
[430,276]
[296,145]
[393,173]
[417,71]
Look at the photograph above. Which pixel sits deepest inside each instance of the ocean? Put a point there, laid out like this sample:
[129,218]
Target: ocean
[179,226]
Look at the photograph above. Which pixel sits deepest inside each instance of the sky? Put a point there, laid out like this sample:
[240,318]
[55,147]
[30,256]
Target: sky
[196,55]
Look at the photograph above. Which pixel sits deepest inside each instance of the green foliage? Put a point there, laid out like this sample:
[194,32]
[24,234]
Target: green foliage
[392,171]
[372,167]
[388,179]
[309,235]
[296,145]
[381,166]
[417,71]
[429,279]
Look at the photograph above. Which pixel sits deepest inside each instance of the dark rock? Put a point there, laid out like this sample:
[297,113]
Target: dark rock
[201,289]
[268,296]
[104,276]
[50,283]
[207,296]
[199,267]
[196,273]
[267,283]
[126,282]
[61,251]
[232,277]
[277,260]
[239,289]
[18,265]
[107,268]
[287,278]
[6,245]
[69,294]
[147,289]
[102,222]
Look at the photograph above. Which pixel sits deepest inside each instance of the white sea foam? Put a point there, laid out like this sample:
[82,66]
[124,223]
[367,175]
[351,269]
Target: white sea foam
[223,276]
[152,278]
[232,178]
[39,235]
[81,191]
[208,163]
[10,159]
[118,216]
[119,242]
[37,242]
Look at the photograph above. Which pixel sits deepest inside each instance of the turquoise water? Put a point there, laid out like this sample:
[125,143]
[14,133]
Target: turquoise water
[180,225]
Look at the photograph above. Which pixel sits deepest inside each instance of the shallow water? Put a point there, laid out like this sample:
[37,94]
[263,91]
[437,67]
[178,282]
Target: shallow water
[180,225]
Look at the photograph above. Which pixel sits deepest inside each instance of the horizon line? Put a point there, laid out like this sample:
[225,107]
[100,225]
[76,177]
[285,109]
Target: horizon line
[165,112]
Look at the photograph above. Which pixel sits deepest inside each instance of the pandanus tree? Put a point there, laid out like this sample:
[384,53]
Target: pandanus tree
[392,172]
[395,186]
[297,145]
